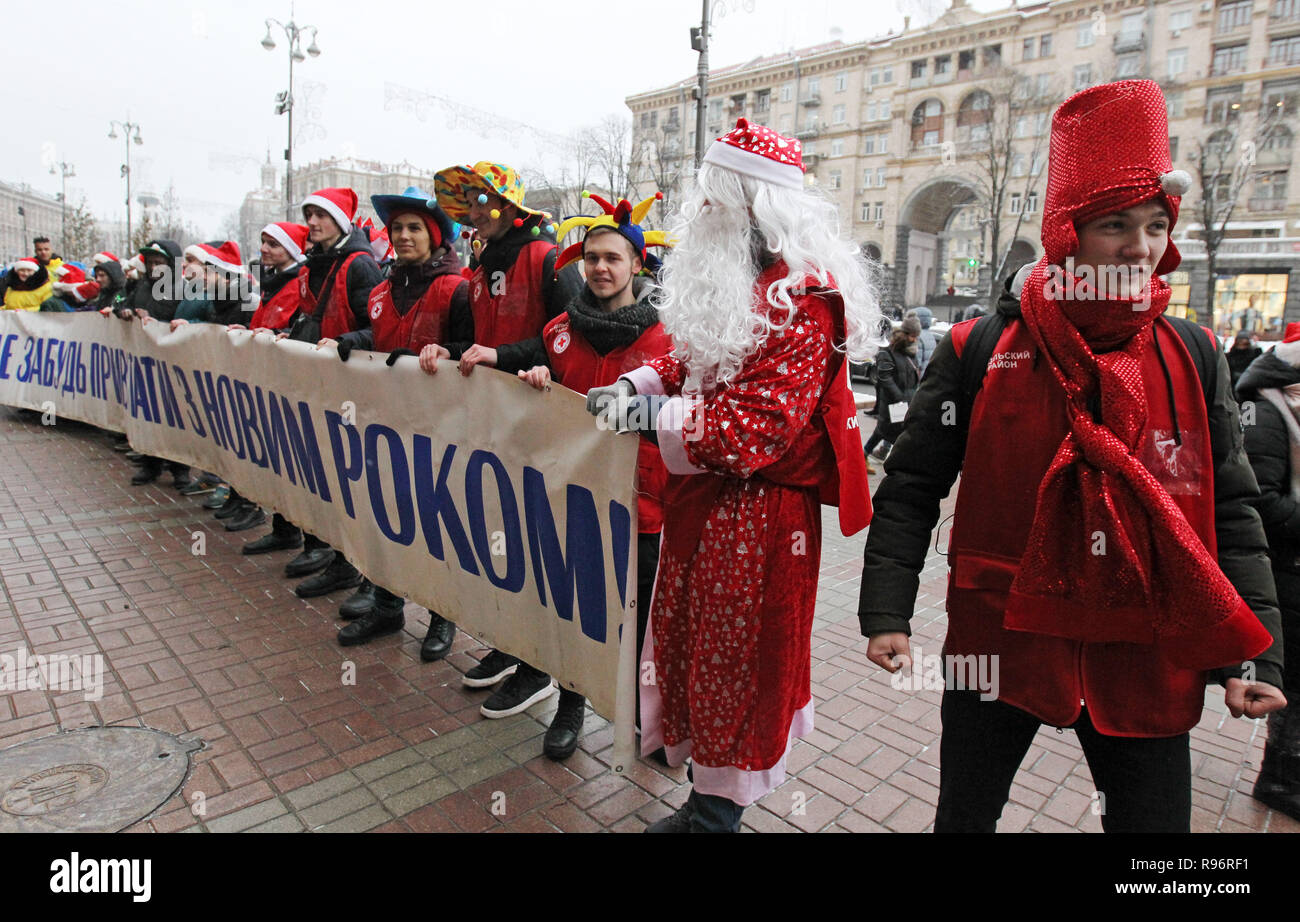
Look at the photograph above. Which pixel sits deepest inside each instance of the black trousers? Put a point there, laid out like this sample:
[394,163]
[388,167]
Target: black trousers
[1145,784]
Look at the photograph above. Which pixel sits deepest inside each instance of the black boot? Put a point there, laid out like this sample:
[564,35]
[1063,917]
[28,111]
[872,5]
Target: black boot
[150,470]
[359,603]
[284,536]
[338,575]
[316,555]
[232,507]
[677,822]
[1278,785]
[566,726]
[384,618]
[251,516]
[437,643]
[180,475]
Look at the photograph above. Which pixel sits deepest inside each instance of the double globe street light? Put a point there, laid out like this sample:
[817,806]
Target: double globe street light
[127,128]
[284,101]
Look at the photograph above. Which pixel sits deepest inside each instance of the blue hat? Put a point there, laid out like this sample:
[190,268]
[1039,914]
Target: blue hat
[416,201]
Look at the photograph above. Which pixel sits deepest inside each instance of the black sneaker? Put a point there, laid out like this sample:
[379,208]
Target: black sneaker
[251,517]
[677,822]
[518,693]
[491,669]
[233,506]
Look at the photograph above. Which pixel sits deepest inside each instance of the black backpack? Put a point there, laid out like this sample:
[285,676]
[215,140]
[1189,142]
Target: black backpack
[987,330]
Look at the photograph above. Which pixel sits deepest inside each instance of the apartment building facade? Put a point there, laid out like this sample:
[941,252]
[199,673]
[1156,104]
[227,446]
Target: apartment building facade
[933,141]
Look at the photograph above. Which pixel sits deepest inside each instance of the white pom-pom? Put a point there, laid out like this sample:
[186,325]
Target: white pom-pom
[1176,182]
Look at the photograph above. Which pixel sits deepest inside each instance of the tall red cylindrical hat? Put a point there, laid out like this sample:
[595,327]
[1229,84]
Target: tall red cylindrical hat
[1109,151]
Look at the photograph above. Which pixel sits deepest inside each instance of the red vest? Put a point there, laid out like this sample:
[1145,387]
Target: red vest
[1017,422]
[579,367]
[338,314]
[275,312]
[425,323]
[508,306]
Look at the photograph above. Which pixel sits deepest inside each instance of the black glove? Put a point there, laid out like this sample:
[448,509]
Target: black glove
[345,350]
[397,354]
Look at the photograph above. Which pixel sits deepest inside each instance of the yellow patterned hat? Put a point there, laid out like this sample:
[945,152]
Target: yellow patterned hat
[457,186]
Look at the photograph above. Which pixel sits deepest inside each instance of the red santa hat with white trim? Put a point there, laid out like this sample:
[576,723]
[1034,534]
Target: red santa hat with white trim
[220,254]
[293,237]
[339,204]
[103,256]
[26,263]
[757,151]
[72,283]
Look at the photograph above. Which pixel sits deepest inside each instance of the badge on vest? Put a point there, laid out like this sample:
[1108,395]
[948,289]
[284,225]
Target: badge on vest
[561,342]
[376,307]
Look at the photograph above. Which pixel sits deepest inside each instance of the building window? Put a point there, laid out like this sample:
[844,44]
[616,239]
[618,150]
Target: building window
[1271,187]
[871,111]
[1027,53]
[1174,103]
[943,64]
[1173,151]
[836,180]
[966,60]
[1179,20]
[814,86]
[992,55]
[1176,61]
[882,143]
[837,115]
[930,139]
[887,76]
[866,211]
[841,82]
[1229,59]
[787,92]
[1045,45]
[880,176]
[1031,203]
[1281,50]
[763,101]
[1129,64]
[1082,75]
[837,147]
[879,211]
[1083,36]
[1015,203]
[1036,164]
[1235,14]
[918,70]
[786,123]
[869,144]
[1223,106]
[866,178]
[875,76]
[715,109]
[1282,95]
[884,109]
[1018,165]
[1278,138]
[927,123]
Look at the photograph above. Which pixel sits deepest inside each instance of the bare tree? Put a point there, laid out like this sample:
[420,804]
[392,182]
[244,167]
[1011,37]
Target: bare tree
[83,237]
[658,153]
[144,232]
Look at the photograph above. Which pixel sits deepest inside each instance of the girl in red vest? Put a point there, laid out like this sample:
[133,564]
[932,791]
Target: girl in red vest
[1105,556]
[513,291]
[425,300]
[757,426]
[612,327]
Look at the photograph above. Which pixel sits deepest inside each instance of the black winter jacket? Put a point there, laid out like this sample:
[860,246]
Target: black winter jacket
[927,458]
[363,273]
[897,377]
[1269,449]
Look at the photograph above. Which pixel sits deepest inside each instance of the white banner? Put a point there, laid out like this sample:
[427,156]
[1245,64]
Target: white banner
[501,507]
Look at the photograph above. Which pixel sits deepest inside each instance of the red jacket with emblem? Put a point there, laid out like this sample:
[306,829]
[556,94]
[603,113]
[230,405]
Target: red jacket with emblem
[1016,422]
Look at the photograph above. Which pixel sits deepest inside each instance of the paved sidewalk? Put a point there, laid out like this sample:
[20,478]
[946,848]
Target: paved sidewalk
[217,647]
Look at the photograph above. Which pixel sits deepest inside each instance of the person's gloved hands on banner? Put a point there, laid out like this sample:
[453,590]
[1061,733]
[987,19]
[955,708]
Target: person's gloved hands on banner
[397,354]
[598,398]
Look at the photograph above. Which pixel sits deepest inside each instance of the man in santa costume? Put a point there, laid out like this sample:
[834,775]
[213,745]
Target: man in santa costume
[334,285]
[764,301]
[513,291]
[1105,556]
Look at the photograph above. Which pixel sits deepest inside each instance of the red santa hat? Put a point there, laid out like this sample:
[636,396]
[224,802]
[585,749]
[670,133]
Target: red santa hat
[758,151]
[102,257]
[223,255]
[293,237]
[1109,151]
[380,244]
[339,204]
[1292,333]
[69,274]
[27,264]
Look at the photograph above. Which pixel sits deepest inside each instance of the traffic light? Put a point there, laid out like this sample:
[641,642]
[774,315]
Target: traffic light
[973,263]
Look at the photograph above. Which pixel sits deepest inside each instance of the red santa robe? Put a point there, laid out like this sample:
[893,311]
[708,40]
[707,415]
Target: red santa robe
[731,618]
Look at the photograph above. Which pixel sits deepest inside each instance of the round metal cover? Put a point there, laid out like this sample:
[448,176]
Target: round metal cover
[101,779]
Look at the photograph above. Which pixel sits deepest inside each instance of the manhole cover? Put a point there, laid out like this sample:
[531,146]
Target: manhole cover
[97,780]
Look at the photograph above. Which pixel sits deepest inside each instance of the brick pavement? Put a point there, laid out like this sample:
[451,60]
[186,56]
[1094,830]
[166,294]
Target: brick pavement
[217,647]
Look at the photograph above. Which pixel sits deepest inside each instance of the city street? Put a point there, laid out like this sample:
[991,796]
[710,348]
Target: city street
[216,648]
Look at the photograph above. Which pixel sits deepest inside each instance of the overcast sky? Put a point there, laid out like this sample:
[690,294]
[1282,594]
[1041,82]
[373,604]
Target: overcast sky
[195,76]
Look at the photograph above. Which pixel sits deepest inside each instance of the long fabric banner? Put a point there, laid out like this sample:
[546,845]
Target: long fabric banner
[503,508]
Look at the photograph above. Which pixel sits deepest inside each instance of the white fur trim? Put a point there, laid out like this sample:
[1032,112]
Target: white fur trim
[276,232]
[722,154]
[333,210]
[1176,182]
[27,264]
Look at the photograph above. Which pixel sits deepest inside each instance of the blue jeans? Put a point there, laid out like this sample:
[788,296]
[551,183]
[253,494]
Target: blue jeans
[711,813]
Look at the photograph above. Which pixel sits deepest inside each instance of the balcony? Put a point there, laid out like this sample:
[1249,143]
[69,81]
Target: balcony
[1130,41]
[1266,204]
[807,132]
[811,99]
[1252,246]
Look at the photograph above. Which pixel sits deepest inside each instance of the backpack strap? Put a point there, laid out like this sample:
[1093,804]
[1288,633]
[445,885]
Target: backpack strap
[975,354]
[1204,354]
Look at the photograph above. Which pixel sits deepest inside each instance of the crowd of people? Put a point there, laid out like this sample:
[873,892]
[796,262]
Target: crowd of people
[1117,542]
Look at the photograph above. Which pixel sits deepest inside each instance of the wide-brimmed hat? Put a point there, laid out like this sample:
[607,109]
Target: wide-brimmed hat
[457,186]
[416,201]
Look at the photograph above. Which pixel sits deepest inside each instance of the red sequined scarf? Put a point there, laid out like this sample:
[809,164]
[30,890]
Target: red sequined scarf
[1110,556]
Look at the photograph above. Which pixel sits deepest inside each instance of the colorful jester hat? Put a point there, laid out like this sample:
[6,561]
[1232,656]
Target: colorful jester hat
[623,218]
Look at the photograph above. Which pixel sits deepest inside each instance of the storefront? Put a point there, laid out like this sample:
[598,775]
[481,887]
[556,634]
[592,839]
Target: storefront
[1252,301]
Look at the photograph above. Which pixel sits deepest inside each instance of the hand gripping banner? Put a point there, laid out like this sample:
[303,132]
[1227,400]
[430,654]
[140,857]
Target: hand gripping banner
[503,508]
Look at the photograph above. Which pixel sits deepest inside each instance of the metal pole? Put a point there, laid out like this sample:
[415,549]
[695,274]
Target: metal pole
[288,151]
[63,210]
[702,85]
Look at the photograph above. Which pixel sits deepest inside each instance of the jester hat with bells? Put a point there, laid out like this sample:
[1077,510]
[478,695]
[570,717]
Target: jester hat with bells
[625,219]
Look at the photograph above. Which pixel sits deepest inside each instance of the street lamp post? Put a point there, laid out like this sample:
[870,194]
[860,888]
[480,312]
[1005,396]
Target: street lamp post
[284,101]
[66,170]
[127,128]
[700,43]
